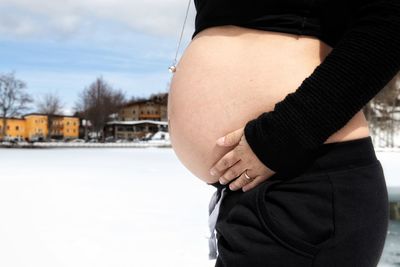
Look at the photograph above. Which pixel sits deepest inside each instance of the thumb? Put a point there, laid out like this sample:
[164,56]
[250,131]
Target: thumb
[231,138]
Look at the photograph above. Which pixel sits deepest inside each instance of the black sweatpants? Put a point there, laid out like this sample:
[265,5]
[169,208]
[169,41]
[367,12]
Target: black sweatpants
[333,214]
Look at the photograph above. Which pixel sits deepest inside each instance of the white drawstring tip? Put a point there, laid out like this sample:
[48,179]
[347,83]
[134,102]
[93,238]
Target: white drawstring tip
[212,244]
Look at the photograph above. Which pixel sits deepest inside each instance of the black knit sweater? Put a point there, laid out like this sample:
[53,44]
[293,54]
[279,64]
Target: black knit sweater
[363,61]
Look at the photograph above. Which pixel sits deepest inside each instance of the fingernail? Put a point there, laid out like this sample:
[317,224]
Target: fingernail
[221,181]
[221,140]
[232,187]
[212,172]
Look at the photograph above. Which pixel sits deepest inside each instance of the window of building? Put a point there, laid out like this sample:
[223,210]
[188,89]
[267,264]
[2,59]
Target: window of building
[8,127]
[17,128]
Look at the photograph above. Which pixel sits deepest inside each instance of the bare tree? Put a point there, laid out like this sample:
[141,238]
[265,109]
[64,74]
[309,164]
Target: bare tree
[51,105]
[13,98]
[380,112]
[134,99]
[161,98]
[81,109]
[97,102]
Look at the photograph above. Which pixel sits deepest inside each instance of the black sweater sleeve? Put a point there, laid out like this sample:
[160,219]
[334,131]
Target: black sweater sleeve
[365,59]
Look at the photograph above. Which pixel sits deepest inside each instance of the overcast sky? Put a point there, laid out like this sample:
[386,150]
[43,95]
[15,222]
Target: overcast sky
[62,46]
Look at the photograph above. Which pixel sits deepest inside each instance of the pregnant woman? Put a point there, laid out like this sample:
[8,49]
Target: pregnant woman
[284,81]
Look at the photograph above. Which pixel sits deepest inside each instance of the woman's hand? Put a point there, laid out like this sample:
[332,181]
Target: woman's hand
[234,163]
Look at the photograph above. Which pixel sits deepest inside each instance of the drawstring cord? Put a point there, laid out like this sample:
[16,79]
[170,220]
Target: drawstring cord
[213,211]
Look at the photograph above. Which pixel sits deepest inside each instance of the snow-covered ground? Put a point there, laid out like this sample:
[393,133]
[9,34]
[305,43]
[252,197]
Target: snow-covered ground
[108,207]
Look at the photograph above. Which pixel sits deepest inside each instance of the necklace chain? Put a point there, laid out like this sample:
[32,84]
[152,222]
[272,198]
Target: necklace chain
[172,68]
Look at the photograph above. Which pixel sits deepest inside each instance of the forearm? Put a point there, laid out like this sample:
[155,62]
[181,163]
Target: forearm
[362,63]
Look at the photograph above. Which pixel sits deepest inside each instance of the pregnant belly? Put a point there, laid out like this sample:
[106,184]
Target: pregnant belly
[229,75]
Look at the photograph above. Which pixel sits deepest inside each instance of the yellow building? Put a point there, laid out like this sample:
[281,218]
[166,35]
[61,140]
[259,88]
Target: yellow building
[16,128]
[34,126]
[71,127]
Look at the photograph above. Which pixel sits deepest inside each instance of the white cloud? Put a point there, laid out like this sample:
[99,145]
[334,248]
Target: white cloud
[42,17]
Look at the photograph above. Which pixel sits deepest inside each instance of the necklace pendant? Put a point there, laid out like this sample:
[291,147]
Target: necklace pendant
[172,69]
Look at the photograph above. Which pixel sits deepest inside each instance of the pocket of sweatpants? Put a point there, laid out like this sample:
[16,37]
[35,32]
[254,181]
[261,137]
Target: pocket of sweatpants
[298,212]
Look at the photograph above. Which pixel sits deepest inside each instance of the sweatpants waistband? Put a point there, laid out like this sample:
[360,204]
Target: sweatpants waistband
[336,155]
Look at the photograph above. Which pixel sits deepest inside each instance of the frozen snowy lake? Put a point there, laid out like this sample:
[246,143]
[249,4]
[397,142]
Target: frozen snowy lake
[111,207]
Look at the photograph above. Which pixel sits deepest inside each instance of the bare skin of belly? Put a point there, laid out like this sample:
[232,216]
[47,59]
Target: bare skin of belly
[229,75]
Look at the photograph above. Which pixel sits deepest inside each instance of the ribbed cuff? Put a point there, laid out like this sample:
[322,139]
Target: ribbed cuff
[275,148]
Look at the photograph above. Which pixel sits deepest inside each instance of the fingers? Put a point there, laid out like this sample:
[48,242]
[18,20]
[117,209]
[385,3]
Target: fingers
[230,168]
[232,173]
[231,138]
[227,161]
[243,180]
[254,183]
